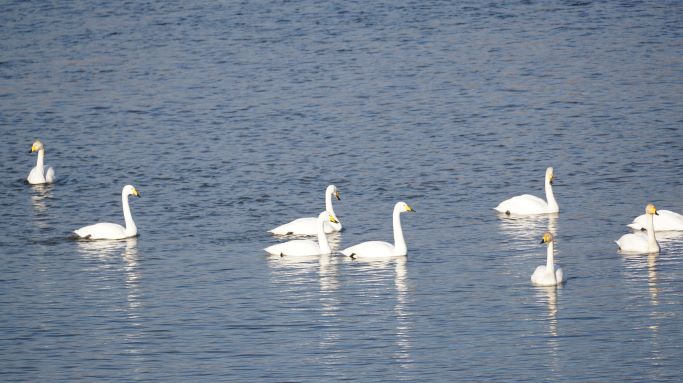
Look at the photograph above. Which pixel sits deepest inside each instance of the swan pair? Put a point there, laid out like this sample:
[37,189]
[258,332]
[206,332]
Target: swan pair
[40,174]
[369,250]
[640,242]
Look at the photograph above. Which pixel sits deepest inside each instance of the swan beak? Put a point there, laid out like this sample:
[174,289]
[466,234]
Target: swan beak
[332,219]
[33,149]
[336,194]
[408,208]
[136,193]
[542,241]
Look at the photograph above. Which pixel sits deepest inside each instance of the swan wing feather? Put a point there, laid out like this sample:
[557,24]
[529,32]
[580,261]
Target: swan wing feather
[297,247]
[370,249]
[523,204]
[102,230]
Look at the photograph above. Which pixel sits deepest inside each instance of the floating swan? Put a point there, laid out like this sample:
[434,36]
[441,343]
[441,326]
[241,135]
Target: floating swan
[527,204]
[641,242]
[665,220]
[550,274]
[306,247]
[380,249]
[309,225]
[39,175]
[105,230]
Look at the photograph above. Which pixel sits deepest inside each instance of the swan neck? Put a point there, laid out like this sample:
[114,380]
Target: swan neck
[40,160]
[550,260]
[651,240]
[131,229]
[322,237]
[553,207]
[400,247]
[328,203]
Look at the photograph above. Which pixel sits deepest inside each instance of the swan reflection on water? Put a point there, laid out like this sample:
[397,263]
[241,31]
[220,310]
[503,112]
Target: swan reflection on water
[39,197]
[528,228]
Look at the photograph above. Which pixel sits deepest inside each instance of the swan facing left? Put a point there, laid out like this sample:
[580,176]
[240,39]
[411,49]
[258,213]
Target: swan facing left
[40,174]
[105,230]
[549,274]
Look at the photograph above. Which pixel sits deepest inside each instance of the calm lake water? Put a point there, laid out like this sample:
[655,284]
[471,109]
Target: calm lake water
[232,118]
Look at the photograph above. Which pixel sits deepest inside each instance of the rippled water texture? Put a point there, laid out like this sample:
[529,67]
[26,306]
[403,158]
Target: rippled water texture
[232,118]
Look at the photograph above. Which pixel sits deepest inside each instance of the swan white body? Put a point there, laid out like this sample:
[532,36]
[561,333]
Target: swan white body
[309,225]
[40,174]
[106,230]
[549,274]
[665,220]
[641,242]
[306,247]
[380,249]
[528,204]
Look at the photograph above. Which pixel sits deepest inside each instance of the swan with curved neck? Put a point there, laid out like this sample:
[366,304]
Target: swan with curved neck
[664,220]
[309,225]
[380,249]
[549,274]
[105,230]
[639,242]
[528,204]
[304,247]
[40,174]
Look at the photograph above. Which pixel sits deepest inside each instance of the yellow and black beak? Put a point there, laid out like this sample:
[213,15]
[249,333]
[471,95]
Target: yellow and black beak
[332,219]
[408,208]
[136,193]
[336,194]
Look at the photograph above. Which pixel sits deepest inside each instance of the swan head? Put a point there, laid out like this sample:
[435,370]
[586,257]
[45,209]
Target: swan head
[37,146]
[332,190]
[131,190]
[402,206]
[547,237]
[325,216]
[651,209]
[549,175]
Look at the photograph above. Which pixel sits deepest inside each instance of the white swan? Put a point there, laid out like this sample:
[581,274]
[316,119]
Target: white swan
[380,249]
[306,247]
[39,174]
[549,274]
[106,230]
[309,225]
[528,204]
[641,242]
[665,220]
